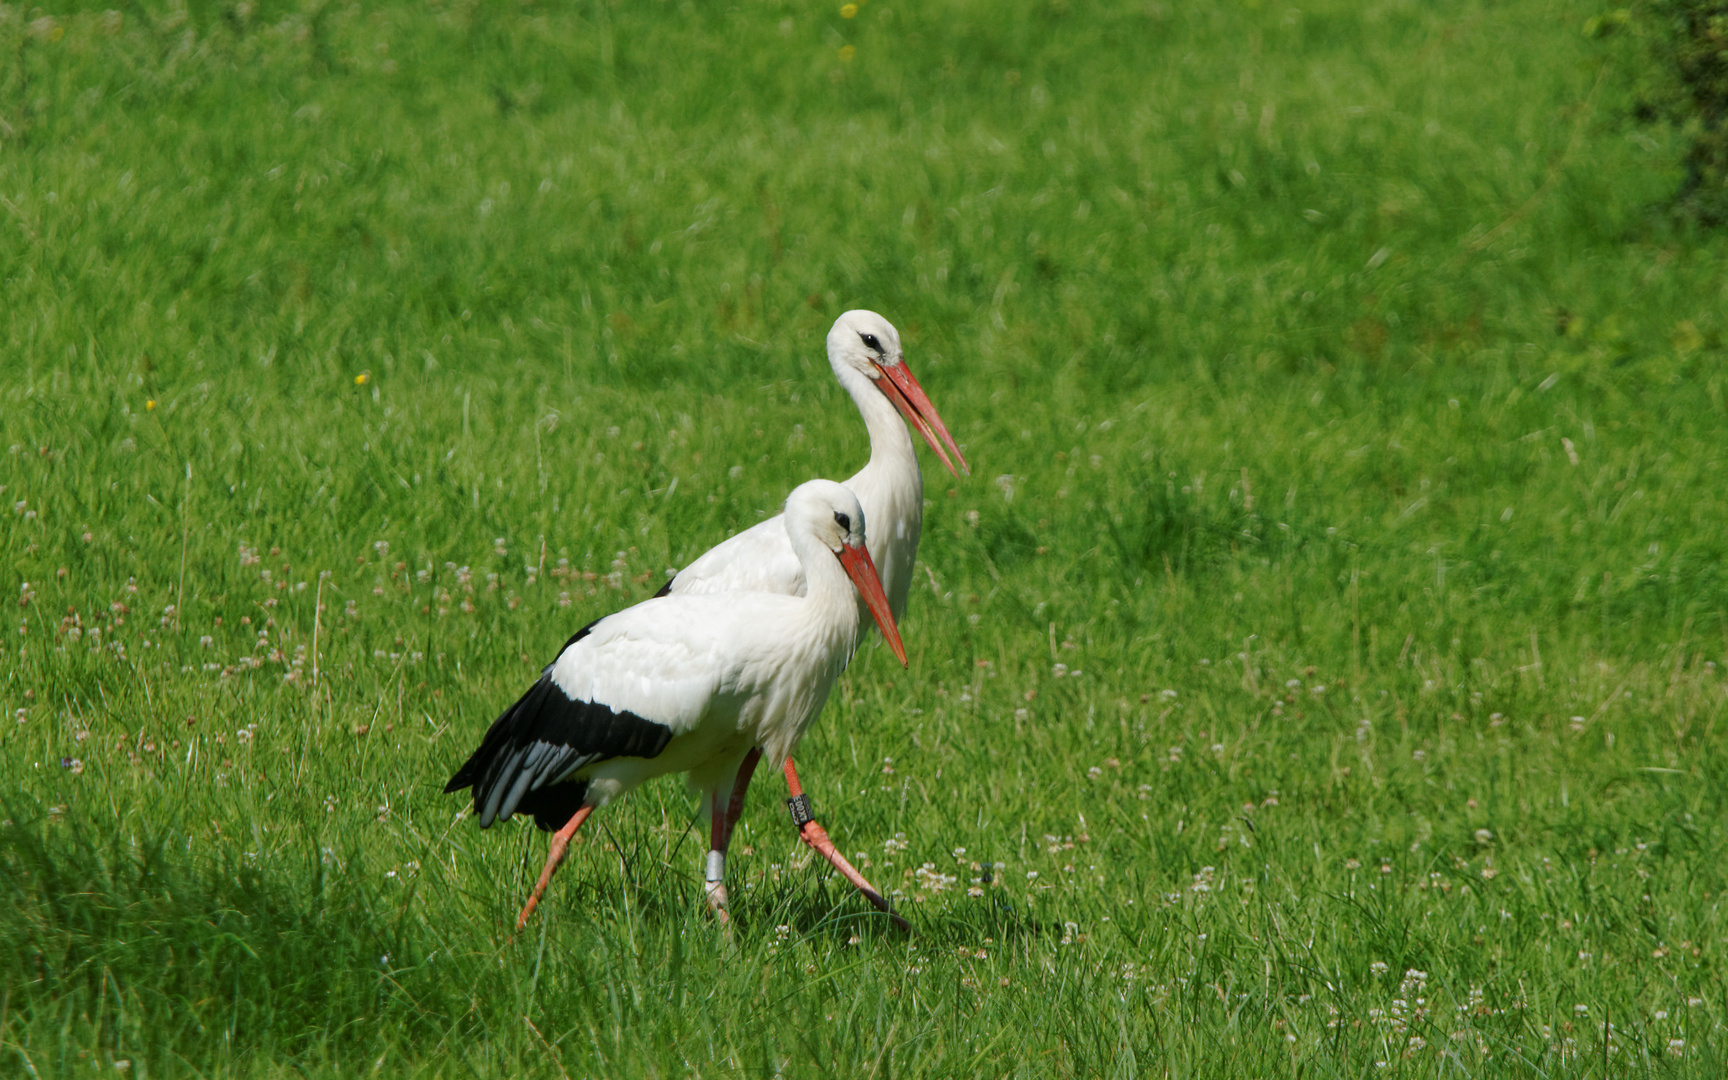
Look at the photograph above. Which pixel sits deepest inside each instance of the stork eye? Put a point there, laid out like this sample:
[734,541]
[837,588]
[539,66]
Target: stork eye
[872,344]
[843,521]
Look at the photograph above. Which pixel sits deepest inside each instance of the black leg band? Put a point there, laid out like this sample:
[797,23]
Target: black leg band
[800,808]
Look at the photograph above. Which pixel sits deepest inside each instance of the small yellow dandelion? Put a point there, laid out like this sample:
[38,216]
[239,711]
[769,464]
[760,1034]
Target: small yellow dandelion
[847,52]
[363,378]
[150,405]
[848,11]
[57,33]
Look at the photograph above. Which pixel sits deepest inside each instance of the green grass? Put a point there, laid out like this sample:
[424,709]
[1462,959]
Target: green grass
[1332,348]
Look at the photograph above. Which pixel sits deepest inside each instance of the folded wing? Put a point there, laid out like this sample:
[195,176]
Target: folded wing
[623,686]
[759,559]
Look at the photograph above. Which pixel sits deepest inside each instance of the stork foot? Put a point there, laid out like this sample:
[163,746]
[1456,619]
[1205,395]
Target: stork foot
[817,837]
[717,901]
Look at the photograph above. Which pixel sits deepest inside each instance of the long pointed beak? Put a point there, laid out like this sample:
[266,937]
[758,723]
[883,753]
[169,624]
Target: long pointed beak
[862,571]
[903,390]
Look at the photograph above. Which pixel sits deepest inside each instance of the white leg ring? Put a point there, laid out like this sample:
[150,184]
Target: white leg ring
[715,885]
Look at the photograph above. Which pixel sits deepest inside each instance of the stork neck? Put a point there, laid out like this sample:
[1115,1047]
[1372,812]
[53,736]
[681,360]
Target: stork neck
[890,443]
[828,590]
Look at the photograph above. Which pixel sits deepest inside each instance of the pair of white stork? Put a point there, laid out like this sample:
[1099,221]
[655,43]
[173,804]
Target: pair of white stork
[737,654]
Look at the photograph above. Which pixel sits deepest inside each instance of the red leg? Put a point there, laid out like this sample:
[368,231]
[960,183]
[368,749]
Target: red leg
[817,837]
[746,770]
[560,841]
[714,875]
[722,820]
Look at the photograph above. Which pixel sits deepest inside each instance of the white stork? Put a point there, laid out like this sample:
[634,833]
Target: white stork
[702,685]
[864,351]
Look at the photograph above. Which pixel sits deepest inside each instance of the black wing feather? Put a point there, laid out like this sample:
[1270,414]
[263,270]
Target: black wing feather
[543,738]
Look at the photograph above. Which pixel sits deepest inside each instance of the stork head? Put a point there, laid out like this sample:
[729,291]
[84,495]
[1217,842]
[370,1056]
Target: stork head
[827,511]
[868,344]
[830,513]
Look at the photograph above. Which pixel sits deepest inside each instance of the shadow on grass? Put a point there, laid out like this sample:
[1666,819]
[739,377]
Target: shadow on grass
[830,908]
[141,944]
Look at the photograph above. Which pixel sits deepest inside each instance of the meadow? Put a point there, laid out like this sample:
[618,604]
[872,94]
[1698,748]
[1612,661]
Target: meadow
[1319,675]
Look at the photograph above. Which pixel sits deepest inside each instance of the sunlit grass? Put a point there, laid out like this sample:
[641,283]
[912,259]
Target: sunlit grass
[1322,670]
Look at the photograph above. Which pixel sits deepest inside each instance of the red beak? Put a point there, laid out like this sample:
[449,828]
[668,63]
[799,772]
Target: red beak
[903,390]
[862,571]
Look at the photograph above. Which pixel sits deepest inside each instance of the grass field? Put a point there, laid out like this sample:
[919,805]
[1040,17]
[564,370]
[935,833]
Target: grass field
[1321,674]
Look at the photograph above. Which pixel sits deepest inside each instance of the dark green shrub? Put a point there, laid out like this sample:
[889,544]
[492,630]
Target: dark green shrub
[1687,86]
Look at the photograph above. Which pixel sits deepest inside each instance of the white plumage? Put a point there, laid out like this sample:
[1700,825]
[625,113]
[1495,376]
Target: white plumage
[864,351]
[691,684]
